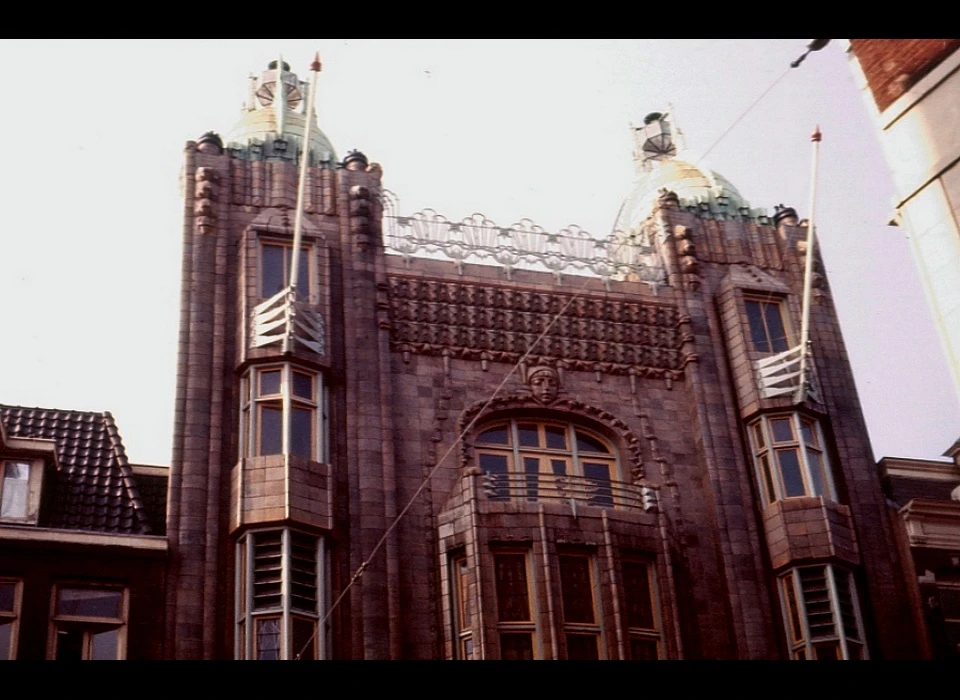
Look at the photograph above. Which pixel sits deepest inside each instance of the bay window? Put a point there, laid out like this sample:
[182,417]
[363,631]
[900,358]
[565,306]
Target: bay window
[768,329]
[790,458]
[279,595]
[283,403]
[822,614]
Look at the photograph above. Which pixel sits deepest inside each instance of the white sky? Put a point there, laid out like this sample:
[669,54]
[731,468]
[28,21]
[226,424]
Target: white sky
[90,254]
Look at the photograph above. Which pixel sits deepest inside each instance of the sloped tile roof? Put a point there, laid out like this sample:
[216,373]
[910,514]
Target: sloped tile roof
[95,488]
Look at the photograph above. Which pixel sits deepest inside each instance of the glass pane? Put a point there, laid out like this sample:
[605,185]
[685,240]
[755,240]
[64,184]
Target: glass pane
[767,478]
[587,443]
[270,383]
[778,335]
[577,591]
[528,435]
[242,646]
[516,646]
[272,274]
[303,385]
[104,645]
[463,595]
[643,649]
[90,602]
[16,481]
[758,436]
[495,482]
[6,637]
[790,471]
[556,437]
[8,591]
[599,474]
[304,637]
[782,429]
[583,647]
[271,430]
[466,648]
[809,433]
[829,651]
[512,599]
[815,463]
[559,467]
[531,466]
[267,639]
[636,586]
[758,333]
[494,436]
[69,645]
[303,279]
[301,432]
[792,609]
[855,650]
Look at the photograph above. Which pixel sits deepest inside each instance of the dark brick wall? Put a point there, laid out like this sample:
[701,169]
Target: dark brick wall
[893,66]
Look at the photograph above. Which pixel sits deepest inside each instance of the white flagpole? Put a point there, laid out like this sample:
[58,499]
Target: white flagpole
[301,190]
[808,272]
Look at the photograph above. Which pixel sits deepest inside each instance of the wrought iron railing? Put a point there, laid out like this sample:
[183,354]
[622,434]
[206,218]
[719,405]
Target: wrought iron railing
[535,488]
[523,245]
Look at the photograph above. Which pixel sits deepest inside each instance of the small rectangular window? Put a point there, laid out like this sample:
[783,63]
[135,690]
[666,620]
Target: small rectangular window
[89,623]
[15,490]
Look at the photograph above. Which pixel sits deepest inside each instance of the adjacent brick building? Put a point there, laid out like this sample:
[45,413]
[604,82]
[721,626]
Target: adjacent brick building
[638,478]
[82,549]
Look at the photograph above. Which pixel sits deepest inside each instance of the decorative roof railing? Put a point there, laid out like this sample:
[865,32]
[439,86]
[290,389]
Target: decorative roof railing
[521,246]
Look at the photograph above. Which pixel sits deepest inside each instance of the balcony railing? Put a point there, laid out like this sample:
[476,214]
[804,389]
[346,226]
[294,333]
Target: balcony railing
[551,488]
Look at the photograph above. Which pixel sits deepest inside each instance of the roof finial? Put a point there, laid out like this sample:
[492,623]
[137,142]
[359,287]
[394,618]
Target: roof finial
[280,98]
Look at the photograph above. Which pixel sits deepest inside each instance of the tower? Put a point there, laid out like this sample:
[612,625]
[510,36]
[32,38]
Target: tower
[595,443]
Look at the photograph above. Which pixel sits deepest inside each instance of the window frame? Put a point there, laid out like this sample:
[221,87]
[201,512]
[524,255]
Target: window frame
[525,484]
[763,301]
[33,486]
[811,453]
[253,403]
[794,606]
[307,258]
[12,618]
[595,628]
[461,607]
[638,633]
[248,616]
[89,625]
[517,627]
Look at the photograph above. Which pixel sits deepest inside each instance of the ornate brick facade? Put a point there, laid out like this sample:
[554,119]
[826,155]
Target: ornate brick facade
[626,486]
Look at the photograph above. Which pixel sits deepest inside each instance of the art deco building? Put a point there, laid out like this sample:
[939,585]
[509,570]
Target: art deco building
[642,475]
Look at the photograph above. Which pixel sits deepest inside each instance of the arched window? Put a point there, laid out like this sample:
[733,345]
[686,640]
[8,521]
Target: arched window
[535,460]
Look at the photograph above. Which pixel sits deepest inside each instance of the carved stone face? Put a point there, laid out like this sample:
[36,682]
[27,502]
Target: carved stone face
[545,384]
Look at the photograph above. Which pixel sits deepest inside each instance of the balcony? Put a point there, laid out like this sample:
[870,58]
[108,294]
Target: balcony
[575,490]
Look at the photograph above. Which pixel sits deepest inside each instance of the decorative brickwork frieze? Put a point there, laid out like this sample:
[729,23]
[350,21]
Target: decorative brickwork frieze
[476,322]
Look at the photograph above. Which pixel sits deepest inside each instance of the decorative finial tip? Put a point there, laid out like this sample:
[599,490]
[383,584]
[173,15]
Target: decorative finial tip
[816,135]
[315,66]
